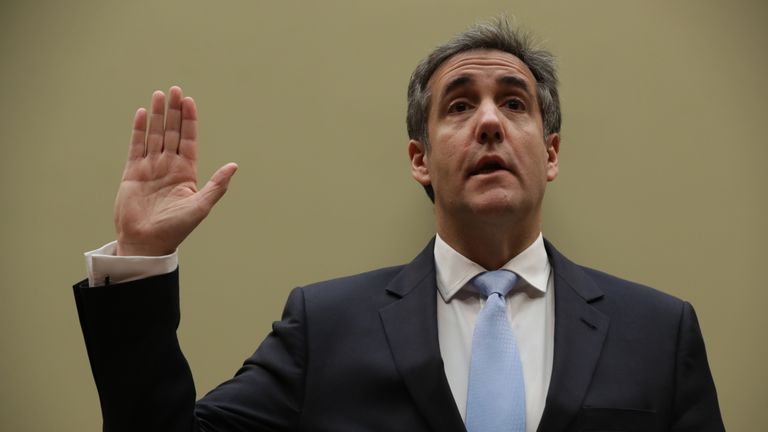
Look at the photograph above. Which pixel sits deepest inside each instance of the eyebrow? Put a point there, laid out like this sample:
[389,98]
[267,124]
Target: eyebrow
[514,81]
[506,80]
[457,82]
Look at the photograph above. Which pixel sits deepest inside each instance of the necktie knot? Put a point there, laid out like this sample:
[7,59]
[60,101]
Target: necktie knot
[498,282]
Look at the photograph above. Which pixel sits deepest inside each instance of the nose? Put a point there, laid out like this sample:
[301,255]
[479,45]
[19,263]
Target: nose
[489,126]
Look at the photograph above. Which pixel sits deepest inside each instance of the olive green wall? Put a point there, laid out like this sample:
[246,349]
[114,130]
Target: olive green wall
[662,165]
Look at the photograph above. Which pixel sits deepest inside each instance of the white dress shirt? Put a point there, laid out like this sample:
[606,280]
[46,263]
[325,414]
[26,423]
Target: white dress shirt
[102,263]
[530,307]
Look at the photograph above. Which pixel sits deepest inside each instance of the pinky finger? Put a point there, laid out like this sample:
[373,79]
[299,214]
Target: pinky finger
[136,149]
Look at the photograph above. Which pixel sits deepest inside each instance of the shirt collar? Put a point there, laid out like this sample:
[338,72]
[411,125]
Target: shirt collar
[454,270]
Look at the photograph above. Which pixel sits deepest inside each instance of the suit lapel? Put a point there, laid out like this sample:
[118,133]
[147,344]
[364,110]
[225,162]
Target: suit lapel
[410,323]
[580,331]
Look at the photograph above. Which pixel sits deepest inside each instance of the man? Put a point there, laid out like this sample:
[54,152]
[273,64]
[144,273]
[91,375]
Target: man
[409,348]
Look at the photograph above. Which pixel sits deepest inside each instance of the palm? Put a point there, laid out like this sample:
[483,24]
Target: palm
[158,203]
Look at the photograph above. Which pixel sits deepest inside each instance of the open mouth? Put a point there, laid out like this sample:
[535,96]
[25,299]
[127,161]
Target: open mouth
[489,165]
[489,168]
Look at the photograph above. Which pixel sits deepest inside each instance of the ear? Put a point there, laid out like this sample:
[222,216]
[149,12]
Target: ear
[553,148]
[418,154]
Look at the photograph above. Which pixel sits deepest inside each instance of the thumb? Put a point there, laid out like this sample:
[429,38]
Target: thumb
[217,185]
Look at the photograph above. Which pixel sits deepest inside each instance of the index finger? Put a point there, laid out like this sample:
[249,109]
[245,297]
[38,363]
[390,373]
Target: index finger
[136,147]
[188,141]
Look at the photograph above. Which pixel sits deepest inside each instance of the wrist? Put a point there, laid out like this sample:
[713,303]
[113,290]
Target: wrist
[141,249]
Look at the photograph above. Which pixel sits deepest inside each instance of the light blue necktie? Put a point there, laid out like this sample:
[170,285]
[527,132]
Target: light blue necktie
[496,391]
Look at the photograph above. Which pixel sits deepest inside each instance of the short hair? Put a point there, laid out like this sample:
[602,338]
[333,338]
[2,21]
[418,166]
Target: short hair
[499,35]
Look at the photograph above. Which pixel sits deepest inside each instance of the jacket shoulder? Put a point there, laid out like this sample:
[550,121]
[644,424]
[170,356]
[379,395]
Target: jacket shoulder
[612,283]
[632,299]
[606,291]
[353,287]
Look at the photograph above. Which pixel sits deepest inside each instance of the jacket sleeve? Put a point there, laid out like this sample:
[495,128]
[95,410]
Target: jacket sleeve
[695,404]
[144,381]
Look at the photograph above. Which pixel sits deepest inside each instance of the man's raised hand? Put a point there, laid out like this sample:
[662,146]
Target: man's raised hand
[158,203]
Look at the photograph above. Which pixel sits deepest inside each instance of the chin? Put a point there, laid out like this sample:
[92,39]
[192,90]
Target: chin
[495,204]
[503,203]
[495,210]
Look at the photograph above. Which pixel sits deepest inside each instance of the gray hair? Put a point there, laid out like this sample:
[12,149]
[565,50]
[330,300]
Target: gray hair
[497,35]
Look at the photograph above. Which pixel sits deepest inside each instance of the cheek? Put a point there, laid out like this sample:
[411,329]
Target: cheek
[451,165]
[446,152]
[532,157]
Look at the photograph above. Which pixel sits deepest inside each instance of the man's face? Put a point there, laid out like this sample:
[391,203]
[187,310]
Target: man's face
[487,153]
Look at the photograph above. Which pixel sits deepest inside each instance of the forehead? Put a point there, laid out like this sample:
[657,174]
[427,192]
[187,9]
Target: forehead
[479,63]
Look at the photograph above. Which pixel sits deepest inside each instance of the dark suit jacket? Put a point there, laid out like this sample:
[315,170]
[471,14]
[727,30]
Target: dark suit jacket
[361,354]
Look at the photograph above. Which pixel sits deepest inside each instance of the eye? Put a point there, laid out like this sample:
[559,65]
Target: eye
[458,107]
[515,104]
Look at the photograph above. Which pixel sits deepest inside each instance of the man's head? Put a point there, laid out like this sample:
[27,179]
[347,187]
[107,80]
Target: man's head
[497,35]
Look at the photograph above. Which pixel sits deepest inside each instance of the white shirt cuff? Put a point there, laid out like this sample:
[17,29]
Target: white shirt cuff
[102,263]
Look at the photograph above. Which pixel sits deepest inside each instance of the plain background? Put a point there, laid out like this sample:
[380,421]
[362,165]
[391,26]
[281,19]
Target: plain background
[662,165]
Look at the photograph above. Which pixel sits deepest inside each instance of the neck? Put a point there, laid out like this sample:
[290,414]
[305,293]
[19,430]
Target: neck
[490,243]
